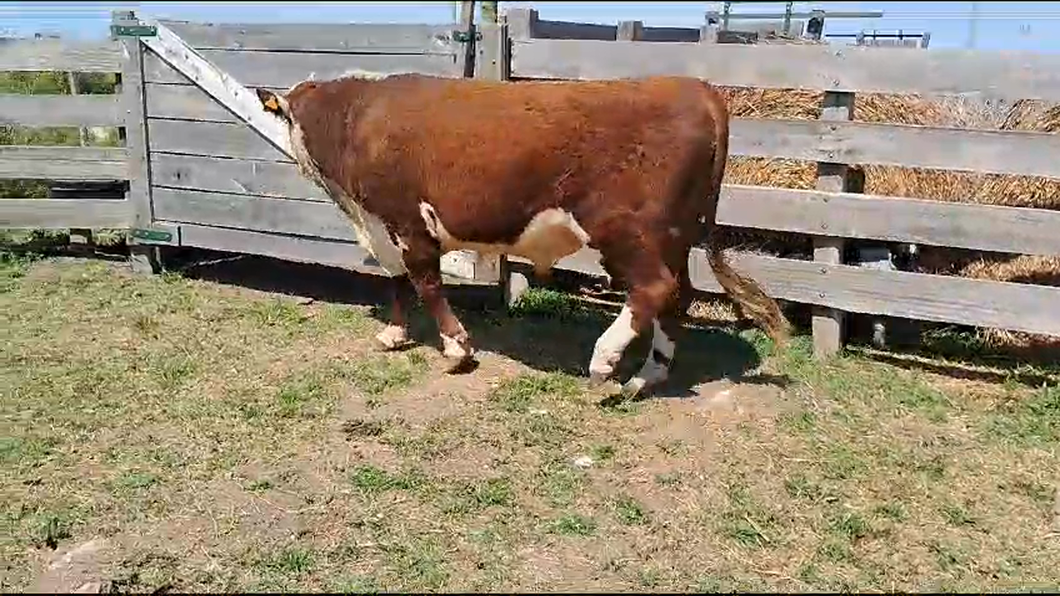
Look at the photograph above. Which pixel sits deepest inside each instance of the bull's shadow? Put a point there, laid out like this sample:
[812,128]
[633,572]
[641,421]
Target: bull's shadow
[555,332]
[550,332]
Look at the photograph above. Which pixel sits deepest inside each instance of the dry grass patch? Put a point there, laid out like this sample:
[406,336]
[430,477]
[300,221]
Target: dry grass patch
[215,439]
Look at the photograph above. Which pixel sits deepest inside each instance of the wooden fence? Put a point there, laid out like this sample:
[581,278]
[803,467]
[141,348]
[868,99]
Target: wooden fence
[200,177]
[69,164]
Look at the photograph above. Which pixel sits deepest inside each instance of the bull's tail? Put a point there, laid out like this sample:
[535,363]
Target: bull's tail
[748,295]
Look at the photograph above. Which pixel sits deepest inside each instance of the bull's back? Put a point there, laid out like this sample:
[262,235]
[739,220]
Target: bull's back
[490,156]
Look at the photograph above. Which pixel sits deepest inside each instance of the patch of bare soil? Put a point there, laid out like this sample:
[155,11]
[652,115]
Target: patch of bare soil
[77,570]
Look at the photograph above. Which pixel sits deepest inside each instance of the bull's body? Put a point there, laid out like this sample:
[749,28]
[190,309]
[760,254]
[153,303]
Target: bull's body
[425,165]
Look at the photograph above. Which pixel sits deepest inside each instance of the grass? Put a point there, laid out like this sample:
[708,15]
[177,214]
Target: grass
[224,439]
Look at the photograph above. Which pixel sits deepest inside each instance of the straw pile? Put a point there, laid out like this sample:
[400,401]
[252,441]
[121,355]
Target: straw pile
[961,112]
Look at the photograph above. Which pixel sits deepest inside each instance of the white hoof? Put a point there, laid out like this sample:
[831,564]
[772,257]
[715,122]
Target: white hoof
[393,337]
[452,349]
[634,386]
[599,373]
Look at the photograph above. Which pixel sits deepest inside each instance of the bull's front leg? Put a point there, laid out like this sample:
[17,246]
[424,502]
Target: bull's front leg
[423,262]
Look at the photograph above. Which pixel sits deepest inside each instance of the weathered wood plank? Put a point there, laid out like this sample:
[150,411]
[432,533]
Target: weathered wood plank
[185,102]
[1003,305]
[345,38]
[277,216]
[74,56]
[1011,75]
[276,69]
[262,214]
[219,85]
[64,213]
[345,255]
[63,163]
[211,139]
[61,110]
[1017,230]
[993,151]
[233,176]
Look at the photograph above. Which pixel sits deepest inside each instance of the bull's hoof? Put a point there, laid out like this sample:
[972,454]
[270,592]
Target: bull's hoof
[597,379]
[634,387]
[393,338]
[458,353]
[457,366]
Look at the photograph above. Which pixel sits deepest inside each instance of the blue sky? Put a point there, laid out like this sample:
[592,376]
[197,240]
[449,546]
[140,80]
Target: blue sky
[1002,26]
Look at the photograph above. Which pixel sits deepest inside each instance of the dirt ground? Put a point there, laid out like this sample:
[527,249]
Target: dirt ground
[182,433]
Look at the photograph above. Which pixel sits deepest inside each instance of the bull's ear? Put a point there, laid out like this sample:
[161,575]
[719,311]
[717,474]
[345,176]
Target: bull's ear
[269,101]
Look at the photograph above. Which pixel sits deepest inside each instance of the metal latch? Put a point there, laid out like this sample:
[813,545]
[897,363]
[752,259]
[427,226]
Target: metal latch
[133,30]
[464,36]
[151,235]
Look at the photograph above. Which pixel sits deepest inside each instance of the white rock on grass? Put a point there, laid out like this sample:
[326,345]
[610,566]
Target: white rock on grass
[582,462]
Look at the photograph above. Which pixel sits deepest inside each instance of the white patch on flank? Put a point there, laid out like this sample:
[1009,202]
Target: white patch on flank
[610,345]
[550,236]
[652,372]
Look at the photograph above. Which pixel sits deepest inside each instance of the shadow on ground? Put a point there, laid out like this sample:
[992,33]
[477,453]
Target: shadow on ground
[554,340]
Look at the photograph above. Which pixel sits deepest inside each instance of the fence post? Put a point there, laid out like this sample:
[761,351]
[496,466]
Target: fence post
[522,22]
[630,31]
[708,33]
[79,236]
[467,26]
[828,323]
[144,258]
[491,64]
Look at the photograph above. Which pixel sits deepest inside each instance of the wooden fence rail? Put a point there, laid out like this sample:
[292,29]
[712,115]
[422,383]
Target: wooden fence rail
[200,176]
[63,163]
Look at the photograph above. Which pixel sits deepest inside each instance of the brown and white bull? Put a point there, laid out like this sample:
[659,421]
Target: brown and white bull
[425,165]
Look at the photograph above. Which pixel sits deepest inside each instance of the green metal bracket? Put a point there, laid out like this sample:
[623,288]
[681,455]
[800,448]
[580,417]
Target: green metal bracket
[133,30]
[464,36]
[148,235]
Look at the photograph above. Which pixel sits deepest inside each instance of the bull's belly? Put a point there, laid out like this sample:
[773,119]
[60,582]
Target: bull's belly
[550,236]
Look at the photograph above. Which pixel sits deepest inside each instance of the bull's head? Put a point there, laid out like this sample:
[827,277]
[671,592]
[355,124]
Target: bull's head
[275,104]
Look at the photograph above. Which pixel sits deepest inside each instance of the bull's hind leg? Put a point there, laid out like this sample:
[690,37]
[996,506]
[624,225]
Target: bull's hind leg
[656,367]
[651,288]
[423,261]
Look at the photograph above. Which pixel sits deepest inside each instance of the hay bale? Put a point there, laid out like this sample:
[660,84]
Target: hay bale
[986,189]
[1042,270]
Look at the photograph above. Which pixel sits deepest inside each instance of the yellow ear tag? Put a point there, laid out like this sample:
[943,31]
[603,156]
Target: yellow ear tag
[272,105]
